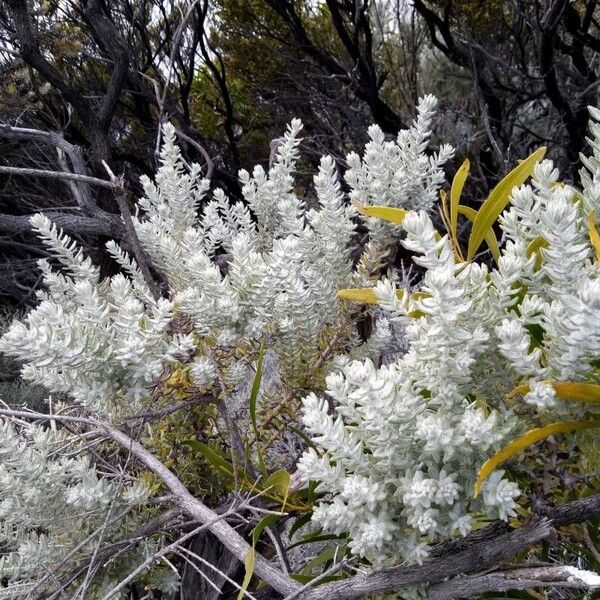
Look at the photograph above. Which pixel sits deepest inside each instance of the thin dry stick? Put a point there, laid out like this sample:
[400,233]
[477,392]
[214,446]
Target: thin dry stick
[159,414]
[333,569]
[224,532]
[81,192]
[91,573]
[174,49]
[213,568]
[210,165]
[589,543]
[58,175]
[197,569]
[517,579]
[132,236]
[152,559]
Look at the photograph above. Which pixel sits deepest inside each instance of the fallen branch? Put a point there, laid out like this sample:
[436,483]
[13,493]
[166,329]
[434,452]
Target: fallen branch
[26,172]
[105,224]
[516,579]
[480,550]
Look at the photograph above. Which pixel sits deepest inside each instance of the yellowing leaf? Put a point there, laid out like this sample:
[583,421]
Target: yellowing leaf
[249,562]
[490,236]
[387,213]
[535,247]
[368,296]
[574,391]
[526,440]
[594,235]
[458,184]
[362,295]
[498,199]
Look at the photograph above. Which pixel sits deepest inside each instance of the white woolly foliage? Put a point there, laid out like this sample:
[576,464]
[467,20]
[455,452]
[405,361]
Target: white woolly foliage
[399,173]
[398,445]
[284,267]
[103,342]
[399,453]
[50,503]
[263,273]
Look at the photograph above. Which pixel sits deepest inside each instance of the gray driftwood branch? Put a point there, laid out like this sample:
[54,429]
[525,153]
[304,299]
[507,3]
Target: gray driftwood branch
[459,567]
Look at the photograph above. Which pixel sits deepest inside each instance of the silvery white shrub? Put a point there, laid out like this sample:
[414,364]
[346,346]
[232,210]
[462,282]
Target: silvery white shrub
[398,455]
[397,445]
[102,343]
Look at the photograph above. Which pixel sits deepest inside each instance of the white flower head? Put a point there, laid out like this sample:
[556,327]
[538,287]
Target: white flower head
[541,395]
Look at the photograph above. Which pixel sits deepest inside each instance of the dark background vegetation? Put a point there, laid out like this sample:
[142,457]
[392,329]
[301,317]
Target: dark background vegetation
[92,80]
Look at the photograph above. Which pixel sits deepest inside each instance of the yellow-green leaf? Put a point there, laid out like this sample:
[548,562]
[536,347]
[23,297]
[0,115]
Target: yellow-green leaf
[368,296]
[535,247]
[574,391]
[253,399]
[498,199]
[279,483]
[249,562]
[490,236]
[594,235]
[387,213]
[458,184]
[362,295]
[526,440]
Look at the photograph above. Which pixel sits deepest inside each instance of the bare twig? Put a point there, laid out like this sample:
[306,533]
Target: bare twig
[23,171]
[210,165]
[131,234]
[589,543]
[103,223]
[159,414]
[227,535]
[481,550]
[81,189]
[215,569]
[156,556]
[516,579]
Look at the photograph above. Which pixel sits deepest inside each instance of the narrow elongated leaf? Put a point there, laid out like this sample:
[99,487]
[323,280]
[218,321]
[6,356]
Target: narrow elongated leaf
[255,389]
[362,295]
[498,199]
[574,391]
[253,398]
[314,538]
[458,183]
[213,457]
[526,440]
[594,235]
[535,248]
[300,522]
[490,236]
[262,525]
[536,245]
[249,563]
[386,213]
[368,296]
[250,560]
[323,557]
